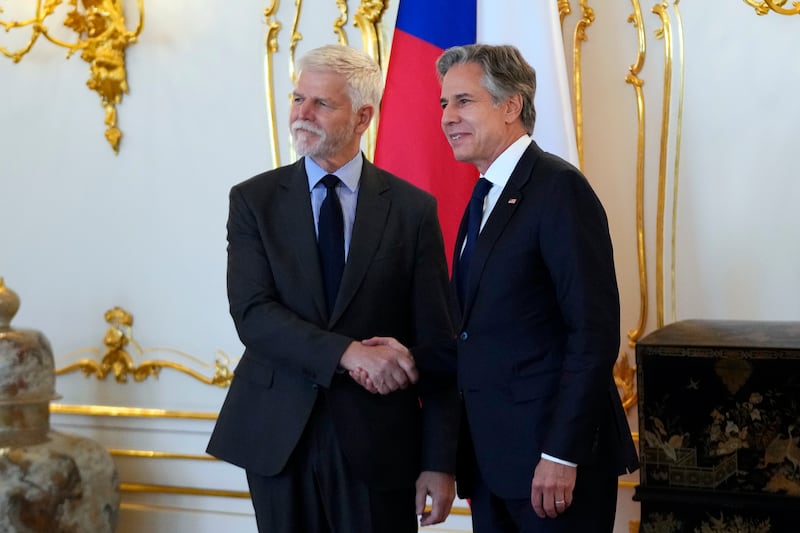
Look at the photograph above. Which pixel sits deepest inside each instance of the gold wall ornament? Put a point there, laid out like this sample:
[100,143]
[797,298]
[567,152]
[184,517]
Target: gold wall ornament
[564,9]
[367,19]
[271,45]
[665,32]
[625,380]
[633,79]
[118,361]
[102,39]
[677,163]
[295,38]
[341,20]
[764,7]
[586,20]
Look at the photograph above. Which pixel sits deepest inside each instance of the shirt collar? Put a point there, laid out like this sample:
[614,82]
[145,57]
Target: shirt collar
[500,170]
[350,173]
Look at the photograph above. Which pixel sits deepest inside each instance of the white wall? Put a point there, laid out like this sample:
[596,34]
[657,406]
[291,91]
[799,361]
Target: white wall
[84,230]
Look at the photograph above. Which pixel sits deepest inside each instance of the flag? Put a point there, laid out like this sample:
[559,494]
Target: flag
[410,141]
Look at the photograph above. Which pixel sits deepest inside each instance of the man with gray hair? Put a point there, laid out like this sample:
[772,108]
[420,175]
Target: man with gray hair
[536,305]
[337,267]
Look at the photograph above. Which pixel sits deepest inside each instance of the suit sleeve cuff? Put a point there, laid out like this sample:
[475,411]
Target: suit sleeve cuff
[557,460]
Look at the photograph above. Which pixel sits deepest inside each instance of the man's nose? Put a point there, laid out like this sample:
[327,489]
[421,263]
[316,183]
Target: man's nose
[301,109]
[449,116]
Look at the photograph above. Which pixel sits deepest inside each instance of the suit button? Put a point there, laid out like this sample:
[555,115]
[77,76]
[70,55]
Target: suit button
[315,386]
[464,336]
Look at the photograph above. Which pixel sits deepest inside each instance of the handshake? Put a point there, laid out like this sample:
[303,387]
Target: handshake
[381,365]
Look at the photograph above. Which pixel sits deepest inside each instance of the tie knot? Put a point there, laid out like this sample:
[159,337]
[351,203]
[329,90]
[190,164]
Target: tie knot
[481,189]
[330,181]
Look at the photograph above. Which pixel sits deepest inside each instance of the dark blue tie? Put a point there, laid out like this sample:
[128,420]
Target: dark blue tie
[330,230]
[474,216]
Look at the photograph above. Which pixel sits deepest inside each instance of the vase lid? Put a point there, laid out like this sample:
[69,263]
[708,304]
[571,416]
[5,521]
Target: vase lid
[9,304]
[27,370]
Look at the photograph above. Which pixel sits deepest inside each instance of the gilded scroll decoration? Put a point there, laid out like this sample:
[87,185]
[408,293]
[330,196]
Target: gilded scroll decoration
[341,20]
[625,380]
[564,9]
[271,44]
[665,33]
[102,40]
[294,38]
[367,19]
[677,164]
[586,20]
[117,361]
[633,78]
[766,6]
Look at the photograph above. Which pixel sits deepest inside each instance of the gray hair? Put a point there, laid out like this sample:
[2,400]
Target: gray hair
[363,75]
[505,73]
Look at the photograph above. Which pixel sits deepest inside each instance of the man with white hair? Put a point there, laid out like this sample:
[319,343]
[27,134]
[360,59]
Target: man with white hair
[336,266]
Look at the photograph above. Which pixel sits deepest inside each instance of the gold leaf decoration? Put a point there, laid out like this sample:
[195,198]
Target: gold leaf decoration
[734,373]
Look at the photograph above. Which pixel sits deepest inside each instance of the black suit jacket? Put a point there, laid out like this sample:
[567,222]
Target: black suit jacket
[539,332]
[394,284]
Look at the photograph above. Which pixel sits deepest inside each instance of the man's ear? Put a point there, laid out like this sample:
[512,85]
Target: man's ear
[364,116]
[513,108]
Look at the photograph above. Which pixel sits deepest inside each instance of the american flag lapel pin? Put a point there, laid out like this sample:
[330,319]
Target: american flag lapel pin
[512,201]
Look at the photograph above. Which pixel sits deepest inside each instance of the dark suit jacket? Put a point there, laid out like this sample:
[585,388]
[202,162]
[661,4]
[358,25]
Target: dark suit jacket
[394,284]
[539,332]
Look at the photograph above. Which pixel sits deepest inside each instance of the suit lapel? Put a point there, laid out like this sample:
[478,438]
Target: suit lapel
[372,210]
[507,204]
[295,212]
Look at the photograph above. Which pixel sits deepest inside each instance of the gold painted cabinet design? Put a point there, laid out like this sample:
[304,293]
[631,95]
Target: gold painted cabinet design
[719,425]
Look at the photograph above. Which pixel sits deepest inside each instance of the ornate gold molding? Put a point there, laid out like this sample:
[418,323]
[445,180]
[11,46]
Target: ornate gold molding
[102,39]
[128,412]
[764,7]
[367,19]
[118,361]
[172,489]
[677,164]
[152,454]
[564,9]
[586,20]
[666,33]
[341,20]
[294,38]
[271,47]
[633,78]
[625,380]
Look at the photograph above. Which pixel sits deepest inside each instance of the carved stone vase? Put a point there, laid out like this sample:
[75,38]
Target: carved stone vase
[50,482]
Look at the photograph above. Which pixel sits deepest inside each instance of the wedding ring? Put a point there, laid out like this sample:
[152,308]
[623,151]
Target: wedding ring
[560,502]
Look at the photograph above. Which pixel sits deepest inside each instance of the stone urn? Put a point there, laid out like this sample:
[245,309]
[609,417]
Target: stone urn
[50,482]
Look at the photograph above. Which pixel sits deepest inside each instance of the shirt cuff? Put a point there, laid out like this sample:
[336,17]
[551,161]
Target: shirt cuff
[557,460]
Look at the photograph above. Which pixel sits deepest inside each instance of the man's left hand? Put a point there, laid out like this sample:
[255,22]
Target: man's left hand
[551,488]
[441,488]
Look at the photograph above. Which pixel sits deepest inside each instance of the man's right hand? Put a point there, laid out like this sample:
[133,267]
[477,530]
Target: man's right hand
[380,364]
